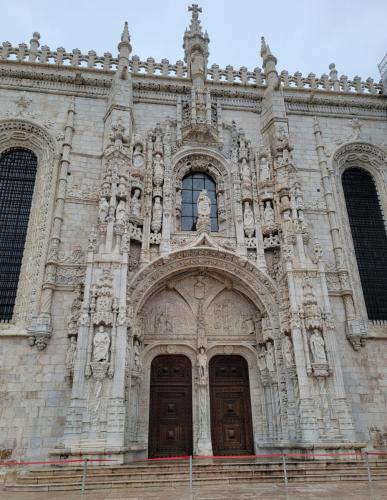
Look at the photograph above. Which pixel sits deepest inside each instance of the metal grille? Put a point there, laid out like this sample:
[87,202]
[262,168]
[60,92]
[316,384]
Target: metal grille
[17,179]
[193,184]
[369,238]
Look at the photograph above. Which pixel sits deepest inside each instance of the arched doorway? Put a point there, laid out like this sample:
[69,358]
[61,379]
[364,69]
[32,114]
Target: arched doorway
[231,424]
[170,408]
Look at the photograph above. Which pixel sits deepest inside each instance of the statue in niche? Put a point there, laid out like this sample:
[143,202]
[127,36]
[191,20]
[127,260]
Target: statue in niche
[157,215]
[220,200]
[158,170]
[136,356]
[103,210]
[202,365]
[317,346]
[135,203]
[101,344]
[270,362]
[121,211]
[288,352]
[248,220]
[204,204]
[261,358]
[264,169]
[138,157]
[121,188]
[197,63]
[268,213]
[70,355]
[245,172]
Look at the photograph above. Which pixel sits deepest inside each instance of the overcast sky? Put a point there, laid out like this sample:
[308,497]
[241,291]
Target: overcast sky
[305,35]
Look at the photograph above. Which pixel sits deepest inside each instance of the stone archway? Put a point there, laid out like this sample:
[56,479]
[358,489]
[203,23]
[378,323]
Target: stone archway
[178,302]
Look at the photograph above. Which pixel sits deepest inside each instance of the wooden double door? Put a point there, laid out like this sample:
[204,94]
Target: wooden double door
[170,413]
[231,425]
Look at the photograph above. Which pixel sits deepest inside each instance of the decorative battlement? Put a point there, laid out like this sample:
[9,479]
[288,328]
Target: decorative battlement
[194,67]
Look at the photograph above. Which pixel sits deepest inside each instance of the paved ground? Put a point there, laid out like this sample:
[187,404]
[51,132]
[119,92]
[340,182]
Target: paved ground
[311,491]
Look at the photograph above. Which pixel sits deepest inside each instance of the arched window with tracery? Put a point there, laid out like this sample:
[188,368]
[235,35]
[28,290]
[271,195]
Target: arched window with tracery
[369,238]
[17,180]
[193,184]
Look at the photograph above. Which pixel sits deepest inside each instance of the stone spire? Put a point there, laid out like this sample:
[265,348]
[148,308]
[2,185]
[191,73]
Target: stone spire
[269,65]
[124,48]
[196,49]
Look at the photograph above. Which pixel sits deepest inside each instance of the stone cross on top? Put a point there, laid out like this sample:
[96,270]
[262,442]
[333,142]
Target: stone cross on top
[195,23]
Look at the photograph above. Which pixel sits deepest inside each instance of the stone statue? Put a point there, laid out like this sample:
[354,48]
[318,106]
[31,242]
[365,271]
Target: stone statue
[136,355]
[262,359]
[317,346]
[202,364]
[268,213]
[288,352]
[121,211]
[103,210]
[245,172]
[270,362]
[135,203]
[101,344]
[197,63]
[138,157]
[158,170]
[264,169]
[248,220]
[70,355]
[204,204]
[157,215]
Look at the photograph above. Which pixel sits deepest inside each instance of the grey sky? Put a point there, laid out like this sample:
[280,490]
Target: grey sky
[305,35]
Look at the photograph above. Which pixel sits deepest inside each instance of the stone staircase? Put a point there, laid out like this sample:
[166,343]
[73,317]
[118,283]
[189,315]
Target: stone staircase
[205,472]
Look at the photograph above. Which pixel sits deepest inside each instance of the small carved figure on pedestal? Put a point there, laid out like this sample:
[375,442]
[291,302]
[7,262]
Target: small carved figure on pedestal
[101,344]
[268,213]
[204,212]
[121,212]
[317,346]
[264,169]
[270,361]
[288,352]
[202,366]
[157,215]
[70,358]
[103,210]
[248,220]
[135,203]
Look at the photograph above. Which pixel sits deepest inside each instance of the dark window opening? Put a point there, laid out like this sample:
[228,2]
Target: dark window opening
[17,179]
[369,239]
[193,184]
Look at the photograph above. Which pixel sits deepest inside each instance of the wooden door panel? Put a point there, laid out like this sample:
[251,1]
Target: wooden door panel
[231,425]
[170,415]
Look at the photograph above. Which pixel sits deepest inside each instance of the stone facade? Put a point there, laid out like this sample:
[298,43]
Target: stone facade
[109,280]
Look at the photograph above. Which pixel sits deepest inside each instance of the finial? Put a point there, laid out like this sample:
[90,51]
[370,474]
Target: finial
[263,46]
[125,34]
[195,23]
[124,47]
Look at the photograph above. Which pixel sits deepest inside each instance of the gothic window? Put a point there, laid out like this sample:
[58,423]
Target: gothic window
[369,239]
[193,184]
[17,179]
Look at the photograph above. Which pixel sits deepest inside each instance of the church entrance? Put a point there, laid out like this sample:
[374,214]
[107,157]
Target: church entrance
[170,409]
[231,425]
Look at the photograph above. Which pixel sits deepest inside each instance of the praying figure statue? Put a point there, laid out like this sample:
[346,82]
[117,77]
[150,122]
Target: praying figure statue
[103,210]
[135,203]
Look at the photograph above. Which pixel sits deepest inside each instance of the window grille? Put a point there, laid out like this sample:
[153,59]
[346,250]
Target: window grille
[193,184]
[369,239]
[17,179]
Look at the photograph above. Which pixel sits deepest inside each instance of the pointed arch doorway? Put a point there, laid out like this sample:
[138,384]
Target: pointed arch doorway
[170,408]
[231,423]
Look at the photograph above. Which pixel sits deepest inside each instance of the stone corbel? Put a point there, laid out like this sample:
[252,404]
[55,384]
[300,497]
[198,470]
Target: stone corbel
[356,333]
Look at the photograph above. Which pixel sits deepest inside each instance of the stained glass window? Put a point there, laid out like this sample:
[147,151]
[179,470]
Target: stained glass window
[369,239]
[17,179]
[193,184]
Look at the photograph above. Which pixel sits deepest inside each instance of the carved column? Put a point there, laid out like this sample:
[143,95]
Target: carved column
[41,330]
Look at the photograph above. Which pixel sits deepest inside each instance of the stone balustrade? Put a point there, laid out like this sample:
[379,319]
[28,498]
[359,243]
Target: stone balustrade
[60,57]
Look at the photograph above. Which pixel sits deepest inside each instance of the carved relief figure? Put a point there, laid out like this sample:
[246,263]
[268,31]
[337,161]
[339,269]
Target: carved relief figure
[135,203]
[138,157]
[264,169]
[197,63]
[317,346]
[70,355]
[121,212]
[288,352]
[158,170]
[202,364]
[268,213]
[248,220]
[103,210]
[261,358]
[136,355]
[270,361]
[157,215]
[101,344]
